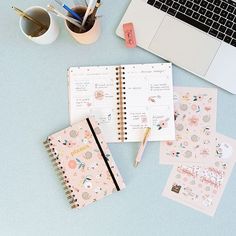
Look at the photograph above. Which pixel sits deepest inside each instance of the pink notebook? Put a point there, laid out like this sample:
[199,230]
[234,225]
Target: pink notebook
[84,163]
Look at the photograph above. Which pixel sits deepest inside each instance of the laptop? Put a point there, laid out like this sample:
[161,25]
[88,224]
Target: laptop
[197,35]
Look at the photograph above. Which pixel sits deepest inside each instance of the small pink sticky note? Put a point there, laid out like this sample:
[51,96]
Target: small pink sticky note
[130,40]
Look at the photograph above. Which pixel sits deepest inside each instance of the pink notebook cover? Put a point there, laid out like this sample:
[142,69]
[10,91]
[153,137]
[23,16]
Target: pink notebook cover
[84,163]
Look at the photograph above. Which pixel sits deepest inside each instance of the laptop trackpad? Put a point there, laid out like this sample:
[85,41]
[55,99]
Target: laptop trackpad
[184,45]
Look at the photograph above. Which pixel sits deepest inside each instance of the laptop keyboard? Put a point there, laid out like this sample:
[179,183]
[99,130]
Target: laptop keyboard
[215,17]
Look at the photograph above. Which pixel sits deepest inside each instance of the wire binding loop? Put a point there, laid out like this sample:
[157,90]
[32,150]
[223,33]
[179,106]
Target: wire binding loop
[120,78]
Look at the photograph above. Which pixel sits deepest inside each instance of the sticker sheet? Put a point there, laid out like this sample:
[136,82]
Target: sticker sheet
[201,186]
[195,123]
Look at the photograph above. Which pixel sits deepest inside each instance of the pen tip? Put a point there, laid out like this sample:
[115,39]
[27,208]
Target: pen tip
[136,164]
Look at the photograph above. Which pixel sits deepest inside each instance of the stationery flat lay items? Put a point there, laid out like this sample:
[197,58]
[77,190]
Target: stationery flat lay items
[138,103]
[84,163]
[125,100]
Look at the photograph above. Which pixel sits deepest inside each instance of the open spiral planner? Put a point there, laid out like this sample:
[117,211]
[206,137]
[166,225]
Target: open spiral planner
[125,99]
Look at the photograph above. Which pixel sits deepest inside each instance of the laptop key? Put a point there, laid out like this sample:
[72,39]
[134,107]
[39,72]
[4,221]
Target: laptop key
[223,13]
[215,17]
[222,20]
[189,12]
[229,32]
[162,1]
[192,22]
[203,3]
[202,19]
[195,15]
[234,35]
[229,23]
[217,2]
[234,27]
[217,10]
[209,22]
[230,8]
[188,4]
[195,7]
[151,2]
[175,5]
[220,36]
[169,2]
[213,32]
[182,9]
[164,8]
[157,5]
[216,25]
[223,5]
[182,1]
[197,1]
[209,14]
[233,42]
[227,39]
[202,10]
[230,16]
[171,11]
[222,29]
[210,7]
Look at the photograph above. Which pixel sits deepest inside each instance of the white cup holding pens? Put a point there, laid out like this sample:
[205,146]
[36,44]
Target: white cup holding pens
[90,31]
[43,29]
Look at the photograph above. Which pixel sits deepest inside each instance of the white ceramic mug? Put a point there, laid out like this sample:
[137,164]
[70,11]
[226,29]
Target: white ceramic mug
[32,30]
[89,36]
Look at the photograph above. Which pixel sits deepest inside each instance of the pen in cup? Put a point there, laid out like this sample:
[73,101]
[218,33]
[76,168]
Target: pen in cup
[73,21]
[93,14]
[89,8]
[73,13]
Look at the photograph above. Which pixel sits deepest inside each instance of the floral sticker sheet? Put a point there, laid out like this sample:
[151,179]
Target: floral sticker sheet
[201,186]
[195,123]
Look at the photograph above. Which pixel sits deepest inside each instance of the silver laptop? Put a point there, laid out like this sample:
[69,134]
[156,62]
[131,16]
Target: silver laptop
[198,35]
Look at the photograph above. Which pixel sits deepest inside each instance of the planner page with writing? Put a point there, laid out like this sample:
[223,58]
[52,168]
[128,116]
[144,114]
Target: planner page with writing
[125,99]
[149,101]
[92,91]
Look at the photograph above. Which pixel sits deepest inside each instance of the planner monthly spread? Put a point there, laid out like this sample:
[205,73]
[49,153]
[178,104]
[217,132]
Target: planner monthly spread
[195,122]
[201,186]
[84,163]
[124,99]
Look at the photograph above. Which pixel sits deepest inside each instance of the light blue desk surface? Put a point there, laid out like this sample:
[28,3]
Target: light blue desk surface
[33,104]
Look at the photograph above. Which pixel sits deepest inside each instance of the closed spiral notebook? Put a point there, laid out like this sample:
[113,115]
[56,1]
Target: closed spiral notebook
[84,163]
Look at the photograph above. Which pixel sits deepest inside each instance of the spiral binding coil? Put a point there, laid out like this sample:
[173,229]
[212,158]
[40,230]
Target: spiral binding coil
[121,104]
[61,173]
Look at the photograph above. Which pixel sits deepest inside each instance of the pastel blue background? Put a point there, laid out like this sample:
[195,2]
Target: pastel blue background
[33,104]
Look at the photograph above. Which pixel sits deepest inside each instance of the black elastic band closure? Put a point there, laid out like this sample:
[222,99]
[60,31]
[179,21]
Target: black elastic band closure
[103,155]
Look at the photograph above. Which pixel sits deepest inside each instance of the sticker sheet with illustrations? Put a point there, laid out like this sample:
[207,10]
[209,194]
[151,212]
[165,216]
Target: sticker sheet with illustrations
[201,186]
[195,123]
